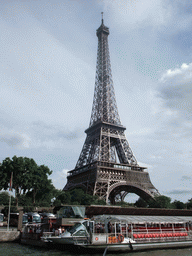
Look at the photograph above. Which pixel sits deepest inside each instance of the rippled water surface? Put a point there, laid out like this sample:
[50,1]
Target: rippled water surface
[14,249]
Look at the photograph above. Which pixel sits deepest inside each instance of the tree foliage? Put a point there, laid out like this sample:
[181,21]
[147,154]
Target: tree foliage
[160,202]
[77,197]
[178,205]
[141,203]
[5,210]
[5,197]
[28,178]
[189,204]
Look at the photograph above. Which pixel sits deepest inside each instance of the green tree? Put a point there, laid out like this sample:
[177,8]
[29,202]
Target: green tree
[141,203]
[99,202]
[46,193]
[3,178]
[64,198]
[27,177]
[20,168]
[189,204]
[178,205]
[5,197]
[5,210]
[160,202]
[39,182]
[25,200]
[88,199]
[77,197]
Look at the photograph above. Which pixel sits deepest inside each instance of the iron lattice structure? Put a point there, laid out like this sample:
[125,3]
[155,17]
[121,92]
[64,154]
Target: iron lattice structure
[106,166]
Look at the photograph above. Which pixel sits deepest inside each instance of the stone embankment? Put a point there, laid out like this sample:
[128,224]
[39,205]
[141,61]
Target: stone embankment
[9,236]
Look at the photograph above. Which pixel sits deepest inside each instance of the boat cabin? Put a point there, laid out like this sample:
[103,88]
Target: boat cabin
[138,228]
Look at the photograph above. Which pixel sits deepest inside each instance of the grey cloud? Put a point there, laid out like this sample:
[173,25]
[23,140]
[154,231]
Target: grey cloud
[171,92]
[185,177]
[175,123]
[179,192]
[56,132]
[175,88]
[39,125]
[70,135]
[42,124]
[10,140]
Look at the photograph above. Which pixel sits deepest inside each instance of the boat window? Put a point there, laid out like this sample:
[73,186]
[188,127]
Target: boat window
[25,219]
[1,217]
[71,212]
[36,219]
[85,223]
[89,226]
[80,233]
[75,228]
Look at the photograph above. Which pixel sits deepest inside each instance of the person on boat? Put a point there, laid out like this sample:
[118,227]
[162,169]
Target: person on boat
[60,230]
[118,228]
[63,230]
[38,230]
[101,228]
[56,232]
[109,227]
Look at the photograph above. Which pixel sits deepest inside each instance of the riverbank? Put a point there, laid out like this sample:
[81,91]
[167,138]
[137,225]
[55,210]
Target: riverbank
[9,236]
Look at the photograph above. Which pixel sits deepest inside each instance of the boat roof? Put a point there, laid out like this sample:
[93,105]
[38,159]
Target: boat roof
[140,219]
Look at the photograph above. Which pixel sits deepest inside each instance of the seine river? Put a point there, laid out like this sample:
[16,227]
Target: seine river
[14,249]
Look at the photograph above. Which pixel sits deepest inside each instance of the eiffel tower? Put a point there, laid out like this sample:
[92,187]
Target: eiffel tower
[106,166]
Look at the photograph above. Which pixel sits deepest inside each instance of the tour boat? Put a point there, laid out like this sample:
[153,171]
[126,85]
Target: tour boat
[128,233]
[31,235]
[33,232]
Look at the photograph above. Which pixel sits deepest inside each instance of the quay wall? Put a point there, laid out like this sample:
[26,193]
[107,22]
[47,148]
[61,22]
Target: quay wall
[9,236]
[116,210]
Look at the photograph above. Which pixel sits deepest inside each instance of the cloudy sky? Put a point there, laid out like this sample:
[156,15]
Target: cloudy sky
[47,74]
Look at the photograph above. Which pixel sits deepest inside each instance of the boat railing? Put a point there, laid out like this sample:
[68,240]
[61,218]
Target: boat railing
[157,230]
[48,234]
[152,234]
[80,240]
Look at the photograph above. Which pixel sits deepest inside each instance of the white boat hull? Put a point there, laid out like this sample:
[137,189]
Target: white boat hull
[126,247]
[59,240]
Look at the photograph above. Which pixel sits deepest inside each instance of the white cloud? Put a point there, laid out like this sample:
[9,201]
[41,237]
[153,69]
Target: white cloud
[159,15]
[148,166]
[182,74]
[139,12]
[155,157]
[176,90]
[40,77]
[59,178]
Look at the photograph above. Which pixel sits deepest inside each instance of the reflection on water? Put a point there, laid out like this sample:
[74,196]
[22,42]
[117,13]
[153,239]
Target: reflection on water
[14,249]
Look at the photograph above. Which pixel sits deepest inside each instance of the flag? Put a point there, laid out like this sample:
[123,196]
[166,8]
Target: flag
[10,183]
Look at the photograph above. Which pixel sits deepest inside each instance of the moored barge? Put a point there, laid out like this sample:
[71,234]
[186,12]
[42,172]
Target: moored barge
[128,233]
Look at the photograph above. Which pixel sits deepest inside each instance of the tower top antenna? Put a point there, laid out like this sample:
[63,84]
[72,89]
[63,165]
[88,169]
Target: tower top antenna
[102,16]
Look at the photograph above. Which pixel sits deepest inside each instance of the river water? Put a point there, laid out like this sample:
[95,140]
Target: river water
[15,249]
